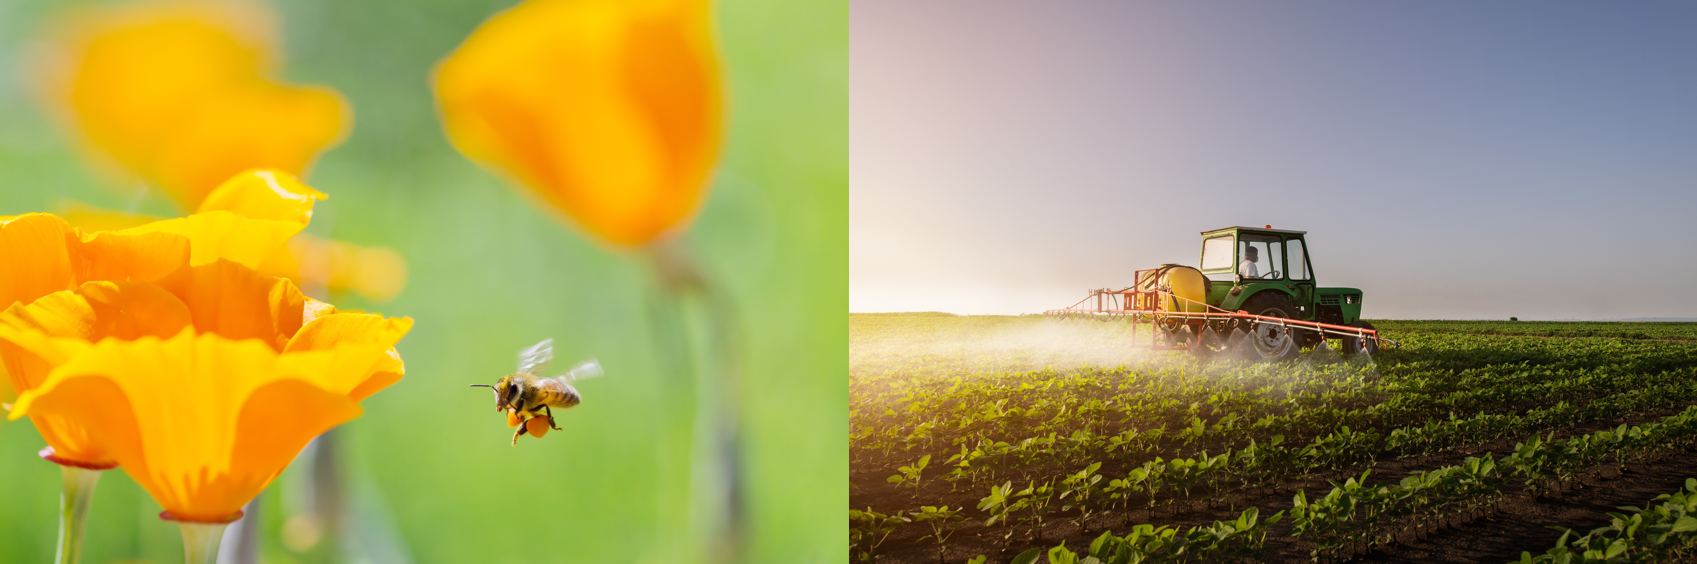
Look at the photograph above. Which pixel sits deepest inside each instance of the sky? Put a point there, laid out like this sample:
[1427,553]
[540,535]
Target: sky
[1454,160]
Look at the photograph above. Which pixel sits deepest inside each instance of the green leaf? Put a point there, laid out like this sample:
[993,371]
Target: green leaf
[1027,557]
[1684,524]
[1060,555]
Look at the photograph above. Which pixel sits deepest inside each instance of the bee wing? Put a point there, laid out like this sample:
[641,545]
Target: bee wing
[584,370]
[535,359]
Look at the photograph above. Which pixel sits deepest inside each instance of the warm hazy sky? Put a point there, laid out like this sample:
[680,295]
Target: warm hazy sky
[1452,159]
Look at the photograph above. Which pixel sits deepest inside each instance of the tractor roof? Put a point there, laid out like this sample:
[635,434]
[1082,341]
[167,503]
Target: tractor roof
[1256,229]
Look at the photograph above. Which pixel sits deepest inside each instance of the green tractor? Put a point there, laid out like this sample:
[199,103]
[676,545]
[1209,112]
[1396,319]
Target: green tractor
[1267,272]
[1256,285]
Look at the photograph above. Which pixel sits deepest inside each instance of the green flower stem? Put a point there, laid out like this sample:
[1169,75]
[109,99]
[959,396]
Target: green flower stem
[73,510]
[200,541]
[718,496]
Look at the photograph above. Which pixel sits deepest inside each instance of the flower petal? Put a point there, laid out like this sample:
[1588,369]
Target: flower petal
[236,302]
[132,310]
[39,336]
[263,447]
[32,336]
[264,194]
[80,424]
[344,329]
[90,218]
[27,369]
[246,219]
[607,111]
[214,420]
[262,125]
[225,235]
[34,257]
[328,331]
[123,256]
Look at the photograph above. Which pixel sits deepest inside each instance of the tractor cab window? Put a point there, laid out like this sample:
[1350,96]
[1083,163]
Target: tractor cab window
[1217,253]
[1260,257]
[1297,260]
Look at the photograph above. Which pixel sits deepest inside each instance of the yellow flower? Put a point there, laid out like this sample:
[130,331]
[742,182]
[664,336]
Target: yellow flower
[607,111]
[178,93]
[46,259]
[203,384]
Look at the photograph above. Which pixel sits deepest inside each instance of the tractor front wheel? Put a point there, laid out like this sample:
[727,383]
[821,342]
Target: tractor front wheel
[1271,341]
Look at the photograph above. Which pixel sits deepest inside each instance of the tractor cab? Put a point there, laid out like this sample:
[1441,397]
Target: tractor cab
[1267,271]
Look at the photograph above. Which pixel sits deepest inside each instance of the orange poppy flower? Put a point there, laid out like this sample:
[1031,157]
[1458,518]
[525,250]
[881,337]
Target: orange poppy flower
[178,93]
[203,384]
[45,257]
[607,111]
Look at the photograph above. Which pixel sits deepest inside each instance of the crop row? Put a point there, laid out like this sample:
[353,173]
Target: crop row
[1663,532]
[1259,464]
[1357,515]
[1351,517]
[1196,406]
[1568,329]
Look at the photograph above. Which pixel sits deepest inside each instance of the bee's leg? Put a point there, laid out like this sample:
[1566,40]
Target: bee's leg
[518,431]
[550,414]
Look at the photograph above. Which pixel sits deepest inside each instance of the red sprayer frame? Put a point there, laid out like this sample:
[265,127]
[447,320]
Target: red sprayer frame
[1143,307]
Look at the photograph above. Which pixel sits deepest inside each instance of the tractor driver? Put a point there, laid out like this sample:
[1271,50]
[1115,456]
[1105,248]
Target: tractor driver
[1247,268]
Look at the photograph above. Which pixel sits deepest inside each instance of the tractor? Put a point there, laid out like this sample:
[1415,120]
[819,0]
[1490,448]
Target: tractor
[1256,285]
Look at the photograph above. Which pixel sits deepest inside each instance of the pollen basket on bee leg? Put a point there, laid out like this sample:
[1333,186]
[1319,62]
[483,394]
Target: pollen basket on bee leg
[537,427]
[513,419]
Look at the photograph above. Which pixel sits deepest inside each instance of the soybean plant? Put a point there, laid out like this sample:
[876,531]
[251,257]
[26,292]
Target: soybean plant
[868,529]
[942,521]
[909,475]
[1081,487]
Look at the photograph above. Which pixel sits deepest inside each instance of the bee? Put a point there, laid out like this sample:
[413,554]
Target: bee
[529,400]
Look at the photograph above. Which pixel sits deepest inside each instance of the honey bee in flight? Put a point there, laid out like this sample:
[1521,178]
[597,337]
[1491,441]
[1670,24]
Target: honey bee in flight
[529,400]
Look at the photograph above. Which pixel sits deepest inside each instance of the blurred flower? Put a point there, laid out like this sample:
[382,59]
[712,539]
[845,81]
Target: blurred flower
[376,273]
[203,384]
[178,94]
[607,111]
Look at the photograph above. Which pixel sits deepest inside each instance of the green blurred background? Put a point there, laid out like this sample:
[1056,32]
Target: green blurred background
[431,475]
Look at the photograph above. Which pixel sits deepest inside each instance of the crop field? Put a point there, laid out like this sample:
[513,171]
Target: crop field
[1024,439]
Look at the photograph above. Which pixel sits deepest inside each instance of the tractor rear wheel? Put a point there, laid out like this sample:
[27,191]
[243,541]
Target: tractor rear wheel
[1270,341]
[1353,345]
